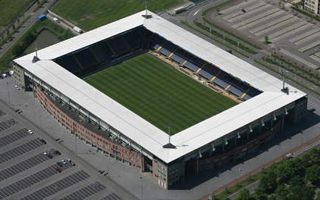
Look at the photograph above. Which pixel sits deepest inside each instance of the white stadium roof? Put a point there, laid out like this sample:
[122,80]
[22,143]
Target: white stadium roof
[136,128]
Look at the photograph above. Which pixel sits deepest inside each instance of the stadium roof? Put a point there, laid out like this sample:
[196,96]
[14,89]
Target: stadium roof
[136,128]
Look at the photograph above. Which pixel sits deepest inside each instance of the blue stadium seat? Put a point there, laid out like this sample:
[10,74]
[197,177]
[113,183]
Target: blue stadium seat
[191,66]
[156,46]
[205,74]
[170,46]
[220,83]
[177,59]
[165,52]
[246,97]
[189,57]
[235,91]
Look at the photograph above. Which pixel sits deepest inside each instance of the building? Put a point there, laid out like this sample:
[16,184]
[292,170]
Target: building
[312,6]
[267,103]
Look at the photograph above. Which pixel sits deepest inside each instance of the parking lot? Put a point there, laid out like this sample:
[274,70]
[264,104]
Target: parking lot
[265,22]
[34,167]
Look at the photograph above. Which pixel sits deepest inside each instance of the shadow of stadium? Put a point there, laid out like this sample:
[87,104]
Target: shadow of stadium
[288,132]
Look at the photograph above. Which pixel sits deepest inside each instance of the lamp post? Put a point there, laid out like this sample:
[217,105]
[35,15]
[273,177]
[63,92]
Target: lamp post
[141,187]
[8,92]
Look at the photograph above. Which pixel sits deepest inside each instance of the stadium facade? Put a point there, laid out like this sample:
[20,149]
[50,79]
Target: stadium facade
[265,106]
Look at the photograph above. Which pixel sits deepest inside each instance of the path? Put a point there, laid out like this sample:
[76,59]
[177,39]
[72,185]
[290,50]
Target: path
[26,25]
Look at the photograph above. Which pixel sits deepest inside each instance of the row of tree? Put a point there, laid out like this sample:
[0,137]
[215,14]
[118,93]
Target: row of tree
[293,179]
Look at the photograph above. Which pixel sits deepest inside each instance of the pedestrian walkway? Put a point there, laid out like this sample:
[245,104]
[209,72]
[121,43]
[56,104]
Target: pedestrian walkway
[26,25]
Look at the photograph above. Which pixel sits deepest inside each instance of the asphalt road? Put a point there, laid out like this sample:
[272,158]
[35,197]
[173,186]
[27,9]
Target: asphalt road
[26,25]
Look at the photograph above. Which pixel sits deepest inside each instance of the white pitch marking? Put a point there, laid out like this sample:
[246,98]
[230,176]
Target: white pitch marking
[196,12]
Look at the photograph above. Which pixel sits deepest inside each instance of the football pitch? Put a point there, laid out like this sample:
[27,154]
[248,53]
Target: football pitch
[159,93]
[94,13]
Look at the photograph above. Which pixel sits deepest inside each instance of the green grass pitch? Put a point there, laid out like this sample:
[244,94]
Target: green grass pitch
[158,93]
[94,13]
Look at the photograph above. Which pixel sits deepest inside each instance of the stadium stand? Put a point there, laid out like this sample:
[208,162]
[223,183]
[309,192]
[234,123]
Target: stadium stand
[205,74]
[177,59]
[235,91]
[253,92]
[165,51]
[86,58]
[105,53]
[170,47]
[190,66]
[101,52]
[209,69]
[157,42]
[69,63]
[119,46]
[189,57]
[134,40]
[221,83]
[205,70]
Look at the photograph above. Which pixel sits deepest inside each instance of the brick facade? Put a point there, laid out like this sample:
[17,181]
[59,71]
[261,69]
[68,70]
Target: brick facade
[122,153]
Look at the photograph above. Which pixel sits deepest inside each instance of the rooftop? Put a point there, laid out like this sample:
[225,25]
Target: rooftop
[135,127]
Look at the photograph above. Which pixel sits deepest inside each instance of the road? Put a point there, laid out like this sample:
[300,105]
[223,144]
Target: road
[62,22]
[26,25]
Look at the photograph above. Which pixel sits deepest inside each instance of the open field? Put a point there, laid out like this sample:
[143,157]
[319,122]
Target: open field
[99,12]
[158,93]
[10,9]
[19,48]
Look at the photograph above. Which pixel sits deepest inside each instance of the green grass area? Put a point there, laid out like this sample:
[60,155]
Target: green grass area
[26,40]
[9,9]
[243,48]
[275,68]
[158,93]
[89,15]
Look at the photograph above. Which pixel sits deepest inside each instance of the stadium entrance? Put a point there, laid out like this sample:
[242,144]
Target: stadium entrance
[147,164]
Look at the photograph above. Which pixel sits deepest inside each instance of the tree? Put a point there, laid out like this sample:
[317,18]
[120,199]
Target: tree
[313,174]
[301,192]
[268,182]
[318,196]
[244,195]
[287,170]
[260,196]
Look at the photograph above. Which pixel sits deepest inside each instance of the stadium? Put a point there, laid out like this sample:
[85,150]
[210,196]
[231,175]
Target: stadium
[159,98]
